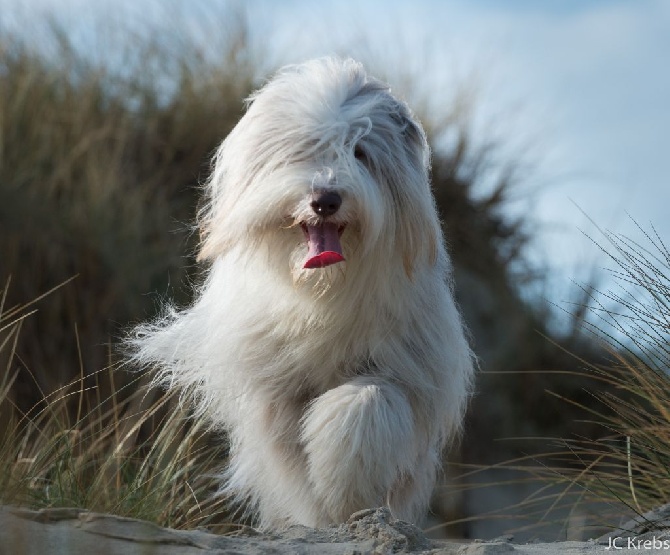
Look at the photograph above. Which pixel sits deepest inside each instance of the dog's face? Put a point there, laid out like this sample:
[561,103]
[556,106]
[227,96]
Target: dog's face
[327,170]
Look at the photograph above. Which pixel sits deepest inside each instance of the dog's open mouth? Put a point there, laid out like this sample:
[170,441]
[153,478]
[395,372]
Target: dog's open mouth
[323,244]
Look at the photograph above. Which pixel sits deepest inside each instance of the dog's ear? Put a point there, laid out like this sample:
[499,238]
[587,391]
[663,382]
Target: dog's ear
[416,142]
[419,227]
[215,237]
[413,135]
[418,230]
[418,240]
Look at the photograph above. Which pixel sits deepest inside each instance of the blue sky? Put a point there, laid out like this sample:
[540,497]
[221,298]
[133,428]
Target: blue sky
[578,88]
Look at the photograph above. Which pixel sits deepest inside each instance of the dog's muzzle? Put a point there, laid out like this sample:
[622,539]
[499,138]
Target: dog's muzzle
[323,239]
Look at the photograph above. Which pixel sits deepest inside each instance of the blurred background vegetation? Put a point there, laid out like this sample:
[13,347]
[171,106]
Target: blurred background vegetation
[100,165]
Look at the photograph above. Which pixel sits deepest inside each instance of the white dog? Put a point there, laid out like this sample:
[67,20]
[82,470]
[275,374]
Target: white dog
[325,339]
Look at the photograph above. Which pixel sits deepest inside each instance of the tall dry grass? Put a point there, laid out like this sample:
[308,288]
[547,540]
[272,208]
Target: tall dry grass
[131,454]
[619,465]
[99,171]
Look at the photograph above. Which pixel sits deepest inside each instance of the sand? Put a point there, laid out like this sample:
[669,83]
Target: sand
[73,531]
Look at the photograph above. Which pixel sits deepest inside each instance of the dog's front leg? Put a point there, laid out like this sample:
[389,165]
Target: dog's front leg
[359,439]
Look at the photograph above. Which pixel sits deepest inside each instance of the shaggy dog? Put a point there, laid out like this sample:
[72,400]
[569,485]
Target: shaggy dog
[325,339]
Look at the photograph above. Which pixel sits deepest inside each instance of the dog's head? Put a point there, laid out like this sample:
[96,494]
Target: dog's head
[326,168]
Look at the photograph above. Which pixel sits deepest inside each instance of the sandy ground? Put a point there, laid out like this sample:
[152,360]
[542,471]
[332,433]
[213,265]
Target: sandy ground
[72,531]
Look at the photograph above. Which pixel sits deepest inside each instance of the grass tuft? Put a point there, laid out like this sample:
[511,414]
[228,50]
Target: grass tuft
[625,471]
[130,454]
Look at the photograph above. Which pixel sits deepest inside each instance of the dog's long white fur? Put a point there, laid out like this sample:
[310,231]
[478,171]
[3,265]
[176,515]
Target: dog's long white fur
[339,387]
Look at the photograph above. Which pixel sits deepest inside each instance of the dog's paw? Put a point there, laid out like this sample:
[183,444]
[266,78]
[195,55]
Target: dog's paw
[359,441]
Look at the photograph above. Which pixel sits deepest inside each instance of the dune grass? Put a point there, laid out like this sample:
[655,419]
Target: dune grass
[594,481]
[134,453]
[100,163]
[630,466]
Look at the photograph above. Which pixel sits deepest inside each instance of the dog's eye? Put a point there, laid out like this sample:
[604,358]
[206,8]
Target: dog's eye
[359,154]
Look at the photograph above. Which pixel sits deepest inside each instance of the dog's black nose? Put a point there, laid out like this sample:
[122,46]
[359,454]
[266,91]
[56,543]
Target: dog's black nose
[326,203]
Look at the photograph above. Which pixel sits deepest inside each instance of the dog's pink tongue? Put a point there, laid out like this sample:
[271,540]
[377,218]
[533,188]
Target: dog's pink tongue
[323,243]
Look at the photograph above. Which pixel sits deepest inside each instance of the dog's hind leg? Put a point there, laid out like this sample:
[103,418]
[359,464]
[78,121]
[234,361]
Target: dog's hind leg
[360,442]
